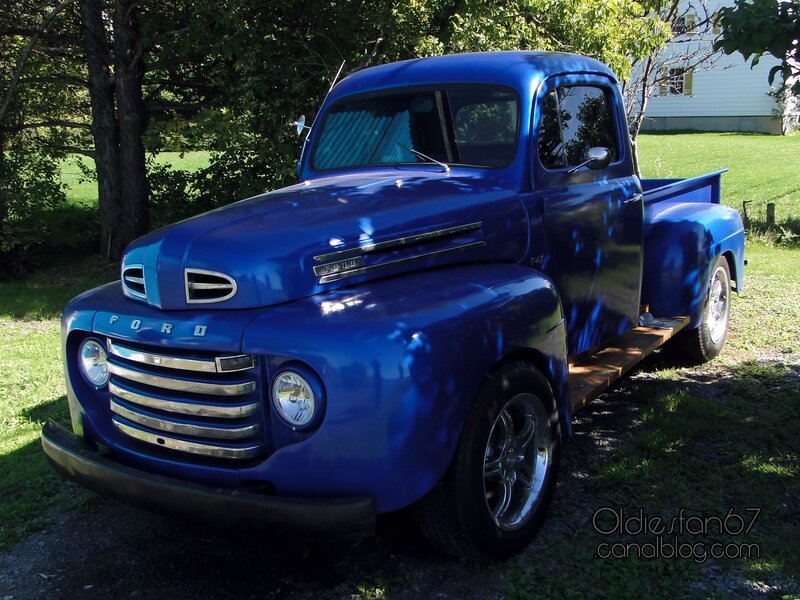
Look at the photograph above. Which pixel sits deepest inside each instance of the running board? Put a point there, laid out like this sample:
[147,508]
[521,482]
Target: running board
[591,375]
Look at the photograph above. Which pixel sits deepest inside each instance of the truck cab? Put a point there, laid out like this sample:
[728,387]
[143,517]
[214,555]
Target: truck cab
[467,259]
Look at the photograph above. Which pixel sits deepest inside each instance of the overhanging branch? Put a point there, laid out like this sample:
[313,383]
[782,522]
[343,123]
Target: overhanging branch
[27,53]
[54,123]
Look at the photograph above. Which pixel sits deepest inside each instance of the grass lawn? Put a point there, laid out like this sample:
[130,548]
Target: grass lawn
[763,168]
[713,439]
[84,192]
[32,391]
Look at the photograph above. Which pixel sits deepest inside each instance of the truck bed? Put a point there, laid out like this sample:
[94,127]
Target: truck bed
[703,188]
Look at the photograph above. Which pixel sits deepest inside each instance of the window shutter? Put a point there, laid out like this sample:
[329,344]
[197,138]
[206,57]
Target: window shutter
[687,83]
[662,84]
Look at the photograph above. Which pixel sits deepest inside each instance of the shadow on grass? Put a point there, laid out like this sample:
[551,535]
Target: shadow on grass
[55,409]
[700,442]
[28,486]
[44,294]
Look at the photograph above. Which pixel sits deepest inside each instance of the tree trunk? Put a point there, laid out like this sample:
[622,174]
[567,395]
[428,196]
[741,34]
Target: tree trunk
[3,185]
[132,117]
[104,128]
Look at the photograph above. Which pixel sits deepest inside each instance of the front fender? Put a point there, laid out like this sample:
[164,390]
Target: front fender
[401,361]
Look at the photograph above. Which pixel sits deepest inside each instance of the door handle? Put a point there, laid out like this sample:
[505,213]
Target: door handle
[634,198]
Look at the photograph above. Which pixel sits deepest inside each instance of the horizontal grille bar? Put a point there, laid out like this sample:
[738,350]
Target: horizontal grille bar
[210,286]
[196,387]
[217,365]
[202,449]
[162,424]
[133,281]
[234,411]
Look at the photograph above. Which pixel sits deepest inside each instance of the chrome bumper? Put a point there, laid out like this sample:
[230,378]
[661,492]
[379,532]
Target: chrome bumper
[337,518]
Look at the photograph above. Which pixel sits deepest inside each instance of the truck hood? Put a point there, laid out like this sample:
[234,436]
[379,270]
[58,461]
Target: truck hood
[325,234]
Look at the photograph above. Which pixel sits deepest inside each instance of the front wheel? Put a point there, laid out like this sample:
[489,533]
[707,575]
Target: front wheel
[705,342]
[499,486]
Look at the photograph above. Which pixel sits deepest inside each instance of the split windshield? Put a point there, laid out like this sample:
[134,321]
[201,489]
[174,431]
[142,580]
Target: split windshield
[466,126]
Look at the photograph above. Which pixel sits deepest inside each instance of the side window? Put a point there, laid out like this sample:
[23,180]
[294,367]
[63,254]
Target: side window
[551,142]
[573,120]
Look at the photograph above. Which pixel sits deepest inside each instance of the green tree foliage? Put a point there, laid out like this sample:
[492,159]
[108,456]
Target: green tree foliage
[247,70]
[758,27]
[229,76]
[42,119]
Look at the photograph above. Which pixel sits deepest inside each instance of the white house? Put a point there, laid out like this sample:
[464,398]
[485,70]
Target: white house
[721,93]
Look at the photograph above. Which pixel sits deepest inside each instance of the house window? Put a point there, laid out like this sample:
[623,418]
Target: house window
[675,81]
[716,27]
[685,24]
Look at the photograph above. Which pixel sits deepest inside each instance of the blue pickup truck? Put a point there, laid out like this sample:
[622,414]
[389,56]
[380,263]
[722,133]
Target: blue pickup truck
[467,260]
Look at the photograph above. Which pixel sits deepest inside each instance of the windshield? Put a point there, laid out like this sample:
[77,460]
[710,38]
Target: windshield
[467,126]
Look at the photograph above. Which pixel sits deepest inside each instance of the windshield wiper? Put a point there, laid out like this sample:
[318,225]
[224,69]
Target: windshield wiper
[445,168]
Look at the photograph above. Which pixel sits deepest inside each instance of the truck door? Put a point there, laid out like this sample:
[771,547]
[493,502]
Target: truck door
[588,234]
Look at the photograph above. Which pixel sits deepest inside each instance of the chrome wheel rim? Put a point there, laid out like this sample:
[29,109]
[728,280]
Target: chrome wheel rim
[717,311]
[517,460]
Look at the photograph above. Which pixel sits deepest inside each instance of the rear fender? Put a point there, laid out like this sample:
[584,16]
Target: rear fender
[682,242]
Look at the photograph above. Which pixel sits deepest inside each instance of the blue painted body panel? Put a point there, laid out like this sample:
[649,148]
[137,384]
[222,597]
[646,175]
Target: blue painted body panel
[682,242]
[555,264]
[400,370]
[268,243]
[591,232]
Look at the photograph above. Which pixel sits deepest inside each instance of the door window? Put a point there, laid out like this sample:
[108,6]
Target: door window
[573,120]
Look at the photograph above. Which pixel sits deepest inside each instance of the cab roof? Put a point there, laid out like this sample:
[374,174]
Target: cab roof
[515,69]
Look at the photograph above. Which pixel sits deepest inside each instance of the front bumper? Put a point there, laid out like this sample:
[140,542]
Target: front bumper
[338,518]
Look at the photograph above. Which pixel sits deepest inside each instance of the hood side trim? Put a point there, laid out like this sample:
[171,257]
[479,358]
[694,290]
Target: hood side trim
[401,261]
[396,243]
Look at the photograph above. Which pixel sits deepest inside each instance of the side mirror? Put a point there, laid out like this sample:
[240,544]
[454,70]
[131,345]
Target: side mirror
[596,158]
[300,125]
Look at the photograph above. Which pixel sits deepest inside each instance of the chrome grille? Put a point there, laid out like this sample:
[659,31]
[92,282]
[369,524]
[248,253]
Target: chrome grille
[133,281]
[208,286]
[193,403]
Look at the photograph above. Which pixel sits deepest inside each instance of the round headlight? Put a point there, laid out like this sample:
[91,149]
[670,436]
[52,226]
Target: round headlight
[93,362]
[294,399]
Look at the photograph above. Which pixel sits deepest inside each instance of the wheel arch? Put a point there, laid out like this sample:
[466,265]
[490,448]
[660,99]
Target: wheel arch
[556,377]
[422,347]
[733,268]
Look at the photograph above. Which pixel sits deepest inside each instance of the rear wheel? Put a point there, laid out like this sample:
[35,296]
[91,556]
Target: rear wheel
[500,484]
[705,342]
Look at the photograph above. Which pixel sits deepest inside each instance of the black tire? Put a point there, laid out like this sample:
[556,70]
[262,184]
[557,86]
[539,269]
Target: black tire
[705,342]
[482,508]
